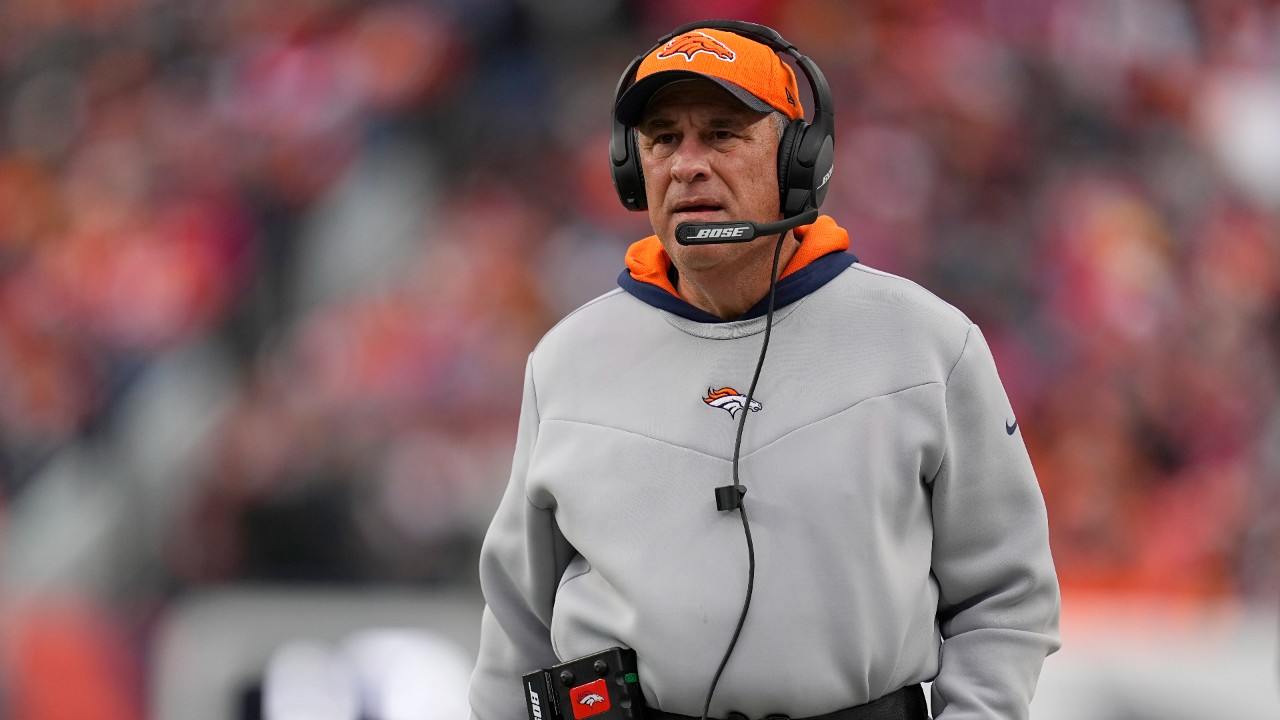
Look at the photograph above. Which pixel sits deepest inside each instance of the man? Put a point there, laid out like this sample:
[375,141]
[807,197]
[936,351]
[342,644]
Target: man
[897,531]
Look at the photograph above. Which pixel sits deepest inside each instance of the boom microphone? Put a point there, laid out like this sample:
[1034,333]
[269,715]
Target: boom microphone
[736,231]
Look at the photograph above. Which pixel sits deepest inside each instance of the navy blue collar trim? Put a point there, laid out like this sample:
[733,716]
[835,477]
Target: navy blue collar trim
[790,289]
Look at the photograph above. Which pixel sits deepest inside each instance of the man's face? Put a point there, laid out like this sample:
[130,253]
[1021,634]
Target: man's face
[707,158]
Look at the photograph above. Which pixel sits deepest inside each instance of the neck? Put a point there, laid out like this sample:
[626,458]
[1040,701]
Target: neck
[728,292]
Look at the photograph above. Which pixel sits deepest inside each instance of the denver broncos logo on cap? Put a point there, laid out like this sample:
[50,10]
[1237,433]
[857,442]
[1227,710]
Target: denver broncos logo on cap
[695,42]
[726,398]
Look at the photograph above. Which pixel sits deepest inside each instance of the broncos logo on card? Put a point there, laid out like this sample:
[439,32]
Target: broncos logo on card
[730,400]
[590,699]
[695,42]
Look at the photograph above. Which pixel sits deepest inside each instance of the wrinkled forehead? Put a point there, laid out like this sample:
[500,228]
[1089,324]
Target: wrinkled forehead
[697,93]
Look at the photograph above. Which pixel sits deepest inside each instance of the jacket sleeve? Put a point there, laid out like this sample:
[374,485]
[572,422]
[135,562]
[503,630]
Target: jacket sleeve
[998,593]
[521,561]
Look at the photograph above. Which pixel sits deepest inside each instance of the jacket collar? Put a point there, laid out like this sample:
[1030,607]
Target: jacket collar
[820,257]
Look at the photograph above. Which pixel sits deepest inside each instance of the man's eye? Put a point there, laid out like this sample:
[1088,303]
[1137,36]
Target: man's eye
[664,139]
[722,134]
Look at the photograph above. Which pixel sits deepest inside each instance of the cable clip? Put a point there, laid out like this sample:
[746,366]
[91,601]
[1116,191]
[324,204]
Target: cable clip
[729,497]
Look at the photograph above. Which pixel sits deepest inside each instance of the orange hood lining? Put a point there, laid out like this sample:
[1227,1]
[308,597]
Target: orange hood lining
[649,263]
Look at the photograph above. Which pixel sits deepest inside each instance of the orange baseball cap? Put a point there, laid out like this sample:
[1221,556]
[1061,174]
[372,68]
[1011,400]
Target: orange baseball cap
[751,71]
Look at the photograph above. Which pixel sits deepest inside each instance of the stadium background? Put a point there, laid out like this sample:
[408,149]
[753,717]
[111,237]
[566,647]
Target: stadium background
[269,272]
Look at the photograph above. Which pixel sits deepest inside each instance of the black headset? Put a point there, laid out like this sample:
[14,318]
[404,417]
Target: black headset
[805,153]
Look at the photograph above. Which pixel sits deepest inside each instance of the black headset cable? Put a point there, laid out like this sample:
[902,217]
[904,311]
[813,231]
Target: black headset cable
[737,487]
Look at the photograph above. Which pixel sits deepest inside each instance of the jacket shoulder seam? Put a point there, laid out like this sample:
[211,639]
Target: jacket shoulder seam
[637,434]
[841,411]
[579,309]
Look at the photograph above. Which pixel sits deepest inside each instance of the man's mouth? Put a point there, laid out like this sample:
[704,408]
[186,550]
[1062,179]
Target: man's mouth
[697,208]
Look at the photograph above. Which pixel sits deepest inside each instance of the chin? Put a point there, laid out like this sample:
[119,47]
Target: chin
[705,257]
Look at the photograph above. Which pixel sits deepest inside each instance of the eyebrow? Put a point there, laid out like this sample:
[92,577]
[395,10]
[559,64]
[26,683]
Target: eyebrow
[654,124]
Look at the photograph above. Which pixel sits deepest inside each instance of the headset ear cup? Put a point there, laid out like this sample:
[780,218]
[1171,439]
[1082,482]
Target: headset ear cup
[791,138]
[628,176]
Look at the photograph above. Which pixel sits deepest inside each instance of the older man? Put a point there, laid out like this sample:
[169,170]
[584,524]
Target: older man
[897,534]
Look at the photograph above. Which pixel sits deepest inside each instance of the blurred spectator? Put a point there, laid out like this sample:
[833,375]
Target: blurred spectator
[70,659]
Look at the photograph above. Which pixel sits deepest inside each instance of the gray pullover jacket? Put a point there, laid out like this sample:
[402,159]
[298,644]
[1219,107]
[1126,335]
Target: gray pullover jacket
[899,530]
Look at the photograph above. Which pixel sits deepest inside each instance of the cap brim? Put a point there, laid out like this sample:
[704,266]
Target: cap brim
[631,106]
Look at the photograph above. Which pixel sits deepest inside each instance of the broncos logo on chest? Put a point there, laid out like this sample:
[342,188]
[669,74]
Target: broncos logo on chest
[695,42]
[729,400]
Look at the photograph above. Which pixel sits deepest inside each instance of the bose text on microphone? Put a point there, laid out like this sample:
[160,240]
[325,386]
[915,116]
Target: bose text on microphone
[737,231]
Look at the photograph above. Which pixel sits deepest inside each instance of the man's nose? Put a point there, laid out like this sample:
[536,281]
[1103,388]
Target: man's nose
[691,161]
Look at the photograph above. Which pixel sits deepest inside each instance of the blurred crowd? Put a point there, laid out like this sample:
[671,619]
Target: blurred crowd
[348,223]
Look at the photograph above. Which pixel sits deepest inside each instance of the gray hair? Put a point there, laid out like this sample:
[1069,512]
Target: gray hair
[781,121]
